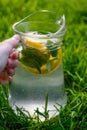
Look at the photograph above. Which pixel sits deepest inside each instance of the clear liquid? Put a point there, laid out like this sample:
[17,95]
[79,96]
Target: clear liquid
[39,74]
[29,91]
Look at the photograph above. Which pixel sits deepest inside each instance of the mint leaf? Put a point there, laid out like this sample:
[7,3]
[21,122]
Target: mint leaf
[48,66]
[53,50]
[34,58]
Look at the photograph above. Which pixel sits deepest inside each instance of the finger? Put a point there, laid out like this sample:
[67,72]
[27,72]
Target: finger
[14,55]
[11,71]
[12,63]
[10,78]
[9,44]
[13,41]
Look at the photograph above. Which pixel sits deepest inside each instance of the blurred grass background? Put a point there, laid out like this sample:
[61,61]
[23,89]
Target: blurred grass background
[74,115]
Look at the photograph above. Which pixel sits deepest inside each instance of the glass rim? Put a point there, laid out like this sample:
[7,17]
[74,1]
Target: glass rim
[60,33]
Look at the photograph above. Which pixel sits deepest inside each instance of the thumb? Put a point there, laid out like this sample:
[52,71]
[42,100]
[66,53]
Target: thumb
[13,41]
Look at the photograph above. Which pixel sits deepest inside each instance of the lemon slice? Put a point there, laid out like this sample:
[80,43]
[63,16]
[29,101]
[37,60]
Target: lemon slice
[55,65]
[35,44]
[58,61]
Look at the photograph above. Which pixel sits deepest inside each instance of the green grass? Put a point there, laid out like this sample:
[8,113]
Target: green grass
[74,115]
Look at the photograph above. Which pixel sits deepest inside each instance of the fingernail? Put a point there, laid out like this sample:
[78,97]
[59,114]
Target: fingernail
[17,37]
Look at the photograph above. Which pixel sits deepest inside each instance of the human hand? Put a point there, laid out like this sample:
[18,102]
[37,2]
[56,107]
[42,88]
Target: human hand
[8,58]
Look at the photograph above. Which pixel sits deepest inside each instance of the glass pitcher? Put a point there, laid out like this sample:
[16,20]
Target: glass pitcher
[39,79]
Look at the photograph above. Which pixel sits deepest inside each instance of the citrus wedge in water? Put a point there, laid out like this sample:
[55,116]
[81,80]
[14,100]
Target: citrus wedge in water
[54,63]
[35,44]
